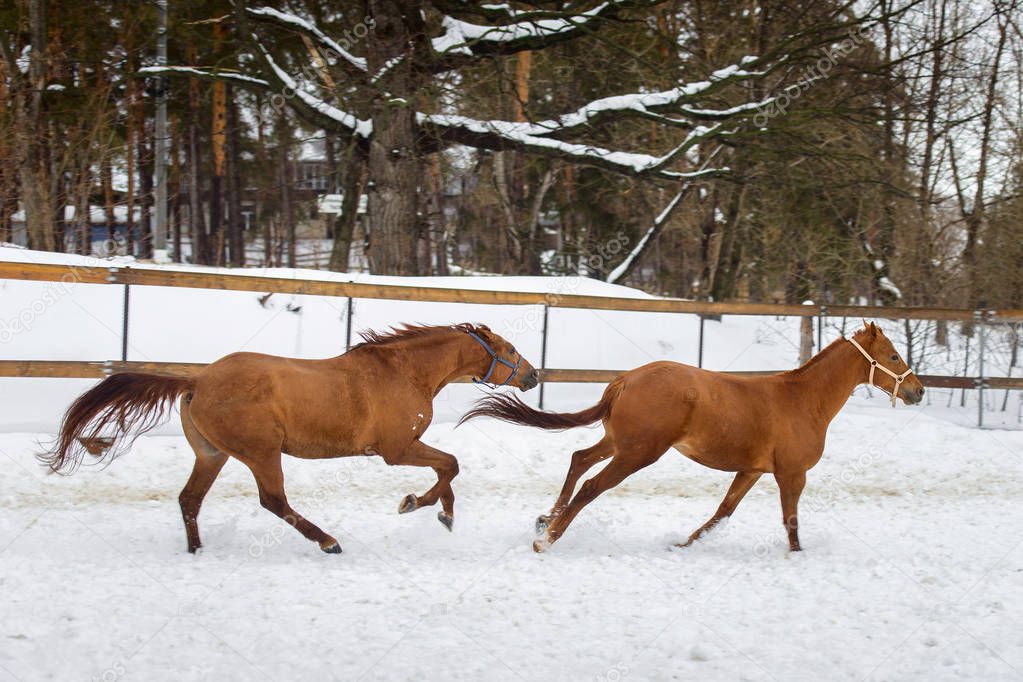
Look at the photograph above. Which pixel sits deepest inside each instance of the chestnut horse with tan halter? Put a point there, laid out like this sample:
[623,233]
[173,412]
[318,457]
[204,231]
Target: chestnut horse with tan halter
[376,399]
[750,425]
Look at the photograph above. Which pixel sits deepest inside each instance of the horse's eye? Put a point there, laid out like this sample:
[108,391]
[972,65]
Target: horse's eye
[895,358]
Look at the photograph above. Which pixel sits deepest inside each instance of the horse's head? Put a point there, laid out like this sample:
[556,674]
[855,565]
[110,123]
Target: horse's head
[889,371]
[499,363]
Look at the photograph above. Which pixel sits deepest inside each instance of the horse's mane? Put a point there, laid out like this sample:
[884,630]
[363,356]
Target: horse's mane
[818,357]
[403,332]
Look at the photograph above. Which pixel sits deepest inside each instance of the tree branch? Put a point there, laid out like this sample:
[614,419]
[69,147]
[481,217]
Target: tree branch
[205,74]
[356,66]
[463,42]
[313,109]
[622,270]
[505,135]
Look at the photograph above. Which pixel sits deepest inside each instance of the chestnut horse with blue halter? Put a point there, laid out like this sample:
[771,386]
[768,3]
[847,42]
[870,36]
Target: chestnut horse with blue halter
[376,399]
[750,425]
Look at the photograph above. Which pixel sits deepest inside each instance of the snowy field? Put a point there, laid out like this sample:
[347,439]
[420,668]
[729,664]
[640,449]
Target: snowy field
[912,569]
[912,526]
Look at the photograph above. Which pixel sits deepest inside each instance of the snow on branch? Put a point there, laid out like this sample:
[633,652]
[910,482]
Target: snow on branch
[625,267]
[654,104]
[462,39]
[292,22]
[311,107]
[203,73]
[505,135]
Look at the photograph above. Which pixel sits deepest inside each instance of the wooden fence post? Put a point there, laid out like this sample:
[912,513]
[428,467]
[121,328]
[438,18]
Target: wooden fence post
[805,339]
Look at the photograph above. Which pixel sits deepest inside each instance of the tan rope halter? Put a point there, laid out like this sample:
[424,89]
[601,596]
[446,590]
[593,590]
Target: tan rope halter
[899,378]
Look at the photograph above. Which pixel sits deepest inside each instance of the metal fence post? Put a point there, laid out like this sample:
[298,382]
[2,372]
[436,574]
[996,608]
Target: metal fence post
[124,323]
[543,352]
[699,351]
[981,384]
[348,325]
[113,278]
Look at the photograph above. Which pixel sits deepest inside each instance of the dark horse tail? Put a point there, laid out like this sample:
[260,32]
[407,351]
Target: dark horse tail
[510,408]
[105,420]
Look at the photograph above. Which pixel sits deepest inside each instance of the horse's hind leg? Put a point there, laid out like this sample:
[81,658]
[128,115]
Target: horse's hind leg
[617,470]
[740,486]
[582,461]
[208,463]
[422,455]
[270,481]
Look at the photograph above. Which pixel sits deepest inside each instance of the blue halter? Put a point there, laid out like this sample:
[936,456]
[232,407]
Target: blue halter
[494,359]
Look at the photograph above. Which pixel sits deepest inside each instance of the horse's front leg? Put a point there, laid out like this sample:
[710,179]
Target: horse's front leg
[740,486]
[791,486]
[420,454]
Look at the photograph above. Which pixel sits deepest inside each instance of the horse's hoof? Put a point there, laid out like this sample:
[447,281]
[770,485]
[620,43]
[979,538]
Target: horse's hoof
[408,504]
[447,520]
[541,524]
[332,549]
[540,546]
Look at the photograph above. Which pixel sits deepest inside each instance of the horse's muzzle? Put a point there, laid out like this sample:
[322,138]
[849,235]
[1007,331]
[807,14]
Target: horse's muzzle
[530,380]
[913,397]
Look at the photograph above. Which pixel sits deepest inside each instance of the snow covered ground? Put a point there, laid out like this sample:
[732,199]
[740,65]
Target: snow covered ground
[912,526]
[912,568]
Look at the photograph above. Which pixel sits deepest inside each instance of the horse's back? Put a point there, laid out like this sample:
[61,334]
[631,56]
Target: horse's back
[721,421]
[310,408]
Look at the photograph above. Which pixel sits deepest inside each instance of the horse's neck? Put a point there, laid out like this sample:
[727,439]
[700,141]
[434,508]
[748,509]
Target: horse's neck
[829,378]
[436,362]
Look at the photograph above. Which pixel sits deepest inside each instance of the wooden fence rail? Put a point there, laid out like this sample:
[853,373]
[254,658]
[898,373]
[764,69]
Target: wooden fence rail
[140,276]
[71,274]
[74,369]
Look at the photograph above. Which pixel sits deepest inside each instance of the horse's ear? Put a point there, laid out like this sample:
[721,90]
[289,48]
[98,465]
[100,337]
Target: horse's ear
[873,329]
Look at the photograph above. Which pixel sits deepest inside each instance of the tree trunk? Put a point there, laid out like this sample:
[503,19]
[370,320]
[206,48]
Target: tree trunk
[35,171]
[976,218]
[196,214]
[730,246]
[882,246]
[83,217]
[218,137]
[344,224]
[175,188]
[435,215]
[236,240]
[287,212]
[107,181]
[145,165]
[131,90]
[394,166]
